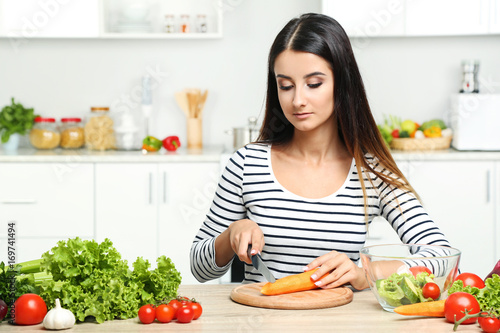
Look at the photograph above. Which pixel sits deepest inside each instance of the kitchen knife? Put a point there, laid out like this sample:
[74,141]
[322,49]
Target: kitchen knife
[260,266]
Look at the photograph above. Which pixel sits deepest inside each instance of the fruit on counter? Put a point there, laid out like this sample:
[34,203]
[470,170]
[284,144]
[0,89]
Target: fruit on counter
[29,309]
[434,122]
[182,309]
[151,144]
[489,324]
[427,309]
[171,143]
[3,309]
[58,318]
[146,314]
[458,304]
[432,132]
[185,314]
[395,133]
[471,279]
[409,126]
[165,313]
[404,288]
[290,284]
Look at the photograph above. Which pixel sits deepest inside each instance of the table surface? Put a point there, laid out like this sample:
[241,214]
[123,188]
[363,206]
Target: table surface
[221,314]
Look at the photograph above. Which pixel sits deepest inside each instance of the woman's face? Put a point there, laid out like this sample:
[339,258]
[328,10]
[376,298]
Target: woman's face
[305,89]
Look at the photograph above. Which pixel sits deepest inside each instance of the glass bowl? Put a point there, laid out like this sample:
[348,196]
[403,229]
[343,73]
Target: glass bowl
[394,271]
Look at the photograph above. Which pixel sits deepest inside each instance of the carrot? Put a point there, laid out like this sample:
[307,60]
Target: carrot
[427,309]
[290,284]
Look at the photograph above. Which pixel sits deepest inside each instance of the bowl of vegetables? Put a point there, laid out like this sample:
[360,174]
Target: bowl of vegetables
[400,274]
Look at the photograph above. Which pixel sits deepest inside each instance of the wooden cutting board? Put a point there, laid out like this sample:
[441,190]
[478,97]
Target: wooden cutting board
[249,294]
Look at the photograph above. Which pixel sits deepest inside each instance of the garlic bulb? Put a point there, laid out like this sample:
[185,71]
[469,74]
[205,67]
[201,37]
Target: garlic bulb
[58,318]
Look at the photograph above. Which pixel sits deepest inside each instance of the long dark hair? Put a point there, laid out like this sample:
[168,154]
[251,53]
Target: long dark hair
[324,36]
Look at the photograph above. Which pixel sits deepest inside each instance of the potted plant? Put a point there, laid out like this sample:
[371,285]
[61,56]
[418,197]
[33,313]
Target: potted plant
[15,120]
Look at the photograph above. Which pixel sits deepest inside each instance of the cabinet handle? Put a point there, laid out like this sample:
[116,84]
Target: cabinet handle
[164,187]
[150,188]
[488,186]
[19,202]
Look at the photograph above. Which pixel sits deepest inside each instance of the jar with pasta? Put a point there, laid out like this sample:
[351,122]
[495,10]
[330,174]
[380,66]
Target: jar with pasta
[72,135]
[99,130]
[44,134]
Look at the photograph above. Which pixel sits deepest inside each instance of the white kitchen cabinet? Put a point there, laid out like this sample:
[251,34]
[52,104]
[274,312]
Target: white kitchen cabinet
[126,208]
[458,195]
[368,18]
[494,19]
[48,202]
[186,193]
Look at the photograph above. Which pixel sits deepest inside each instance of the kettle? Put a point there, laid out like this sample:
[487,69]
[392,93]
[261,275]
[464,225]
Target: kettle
[244,135]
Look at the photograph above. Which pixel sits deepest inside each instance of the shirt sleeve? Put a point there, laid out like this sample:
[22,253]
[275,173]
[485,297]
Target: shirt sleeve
[227,207]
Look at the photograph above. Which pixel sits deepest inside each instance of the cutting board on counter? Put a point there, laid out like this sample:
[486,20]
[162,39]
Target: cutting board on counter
[249,294]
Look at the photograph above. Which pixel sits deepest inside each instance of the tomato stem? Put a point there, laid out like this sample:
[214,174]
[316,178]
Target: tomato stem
[468,316]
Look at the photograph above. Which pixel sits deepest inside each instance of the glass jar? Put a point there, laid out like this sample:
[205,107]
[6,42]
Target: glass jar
[44,134]
[128,135]
[72,135]
[184,23]
[201,23]
[99,129]
[169,26]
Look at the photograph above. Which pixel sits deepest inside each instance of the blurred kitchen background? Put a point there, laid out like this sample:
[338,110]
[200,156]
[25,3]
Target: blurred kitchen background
[408,76]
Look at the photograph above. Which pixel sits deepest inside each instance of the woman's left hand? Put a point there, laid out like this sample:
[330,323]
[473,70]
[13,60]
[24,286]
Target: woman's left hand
[339,270]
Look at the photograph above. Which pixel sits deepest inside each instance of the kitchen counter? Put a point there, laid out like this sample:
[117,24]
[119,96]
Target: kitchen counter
[221,314]
[445,155]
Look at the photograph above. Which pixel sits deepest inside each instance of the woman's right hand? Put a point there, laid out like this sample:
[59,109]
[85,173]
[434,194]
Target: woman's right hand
[241,234]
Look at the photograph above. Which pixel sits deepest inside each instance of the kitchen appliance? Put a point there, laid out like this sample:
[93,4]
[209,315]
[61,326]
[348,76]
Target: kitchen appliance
[260,266]
[470,69]
[244,135]
[474,119]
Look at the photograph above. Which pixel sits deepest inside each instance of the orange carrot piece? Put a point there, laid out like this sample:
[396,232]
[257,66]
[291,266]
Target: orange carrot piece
[427,309]
[290,284]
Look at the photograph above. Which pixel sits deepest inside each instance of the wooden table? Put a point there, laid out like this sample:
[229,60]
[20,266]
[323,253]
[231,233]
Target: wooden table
[221,314]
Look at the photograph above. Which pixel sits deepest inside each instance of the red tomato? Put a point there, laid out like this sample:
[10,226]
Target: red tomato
[197,309]
[455,305]
[185,314]
[419,269]
[165,313]
[489,324]
[431,290]
[147,314]
[29,309]
[471,279]
[176,305]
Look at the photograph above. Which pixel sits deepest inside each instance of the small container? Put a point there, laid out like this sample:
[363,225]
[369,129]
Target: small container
[169,25]
[44,134]
[184,27]
[99,130]
[470,84]
[72,134]
[128,135]
[201,23]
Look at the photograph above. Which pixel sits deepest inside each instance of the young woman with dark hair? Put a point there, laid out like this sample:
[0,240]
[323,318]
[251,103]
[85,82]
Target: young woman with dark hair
[305,193]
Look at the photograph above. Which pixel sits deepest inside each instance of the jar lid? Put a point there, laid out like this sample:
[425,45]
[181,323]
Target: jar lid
[74,120]
[99,108]
[44,120]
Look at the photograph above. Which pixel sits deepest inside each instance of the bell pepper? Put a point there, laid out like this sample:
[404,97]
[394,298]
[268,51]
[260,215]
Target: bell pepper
[433,132]
[171,143]
[151,144]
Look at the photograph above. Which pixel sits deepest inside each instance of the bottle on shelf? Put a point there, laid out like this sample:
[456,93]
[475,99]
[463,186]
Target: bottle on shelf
[184,27]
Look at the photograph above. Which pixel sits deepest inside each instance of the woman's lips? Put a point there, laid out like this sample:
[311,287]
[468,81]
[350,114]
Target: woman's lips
[302,115]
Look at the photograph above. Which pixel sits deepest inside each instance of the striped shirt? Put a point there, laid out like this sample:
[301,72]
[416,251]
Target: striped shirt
[296,229]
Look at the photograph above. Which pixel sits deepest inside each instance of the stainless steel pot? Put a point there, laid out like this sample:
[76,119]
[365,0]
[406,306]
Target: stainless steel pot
[244,135]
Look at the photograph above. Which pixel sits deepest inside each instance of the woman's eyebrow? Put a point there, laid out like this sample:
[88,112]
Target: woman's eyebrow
[305,76]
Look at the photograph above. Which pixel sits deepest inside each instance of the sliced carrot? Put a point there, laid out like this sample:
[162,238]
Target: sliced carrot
[290,284]
[427,309]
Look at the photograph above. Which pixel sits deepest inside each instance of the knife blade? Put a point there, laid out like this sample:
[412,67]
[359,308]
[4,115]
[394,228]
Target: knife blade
[260,266]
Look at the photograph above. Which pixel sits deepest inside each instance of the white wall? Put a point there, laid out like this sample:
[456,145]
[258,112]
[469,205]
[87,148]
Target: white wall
[410,77]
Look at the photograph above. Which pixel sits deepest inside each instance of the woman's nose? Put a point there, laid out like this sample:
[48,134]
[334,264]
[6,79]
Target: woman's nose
[299,99]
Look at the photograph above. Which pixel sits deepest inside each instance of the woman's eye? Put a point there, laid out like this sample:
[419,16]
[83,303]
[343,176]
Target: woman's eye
[286,87]
[315,85]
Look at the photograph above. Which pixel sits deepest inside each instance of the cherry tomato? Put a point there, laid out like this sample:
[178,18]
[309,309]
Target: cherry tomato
[456,304]
[147,314]
[419,269]
[197,309]
[176,305]
[29,309]
[471,279]
[489,324]
[431,290]
[185,314]
[165,313]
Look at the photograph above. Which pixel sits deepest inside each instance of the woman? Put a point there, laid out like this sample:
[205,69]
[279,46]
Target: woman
[304,194]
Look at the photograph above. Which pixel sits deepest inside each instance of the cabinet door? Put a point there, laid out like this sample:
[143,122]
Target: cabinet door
[494,27]
[367,18]
[446,17]
[458,197]
[34,18]
[126,208]
[186,193]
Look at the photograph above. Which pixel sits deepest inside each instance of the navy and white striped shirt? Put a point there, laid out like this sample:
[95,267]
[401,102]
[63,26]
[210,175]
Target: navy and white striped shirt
[296,229]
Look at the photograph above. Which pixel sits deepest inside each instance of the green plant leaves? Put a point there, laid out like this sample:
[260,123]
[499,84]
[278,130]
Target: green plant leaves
[15,118]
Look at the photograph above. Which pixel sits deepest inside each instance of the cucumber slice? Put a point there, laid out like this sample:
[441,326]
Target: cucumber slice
[409,290]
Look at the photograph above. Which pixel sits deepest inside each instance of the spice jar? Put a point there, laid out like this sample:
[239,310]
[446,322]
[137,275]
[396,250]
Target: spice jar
[169,23]
[44,134]
[99,132]
[201,23]
[72,135]
[184,23]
